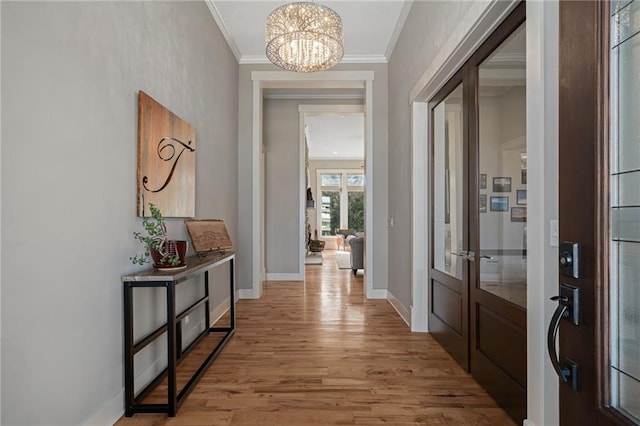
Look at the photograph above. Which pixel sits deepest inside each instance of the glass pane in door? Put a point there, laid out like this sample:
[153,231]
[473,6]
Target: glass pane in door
[448,185]
[502,180]
[625,209]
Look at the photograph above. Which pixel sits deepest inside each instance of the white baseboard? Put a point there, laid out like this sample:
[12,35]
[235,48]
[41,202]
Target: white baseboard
[419,320]
[377,293]
[248,293]
[275,276]
[219,311]
[528,422]
[400,308]
[109,412]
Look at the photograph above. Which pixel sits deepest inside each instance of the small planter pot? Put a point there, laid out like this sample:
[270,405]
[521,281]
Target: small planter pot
[171,248]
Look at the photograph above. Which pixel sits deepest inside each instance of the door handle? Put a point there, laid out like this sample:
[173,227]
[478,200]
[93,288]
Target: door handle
[567,308]
[466,255]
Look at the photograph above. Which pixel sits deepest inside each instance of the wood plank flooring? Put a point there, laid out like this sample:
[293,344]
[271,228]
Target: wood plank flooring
[320,353]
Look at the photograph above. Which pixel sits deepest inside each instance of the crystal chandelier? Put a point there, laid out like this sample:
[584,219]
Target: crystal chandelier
[304,37]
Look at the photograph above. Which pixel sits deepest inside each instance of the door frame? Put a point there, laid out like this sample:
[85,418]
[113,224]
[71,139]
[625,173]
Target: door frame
[303,110]
[481,20]
[325,79]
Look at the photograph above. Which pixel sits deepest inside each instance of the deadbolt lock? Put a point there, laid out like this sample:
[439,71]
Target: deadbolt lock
[569,259]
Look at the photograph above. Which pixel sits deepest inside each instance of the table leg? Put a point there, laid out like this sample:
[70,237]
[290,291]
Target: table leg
[232,294]
[207,314]
[128,350]
[172,396]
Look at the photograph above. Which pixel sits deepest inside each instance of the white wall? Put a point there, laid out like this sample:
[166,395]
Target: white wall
[70,76]
[0,222]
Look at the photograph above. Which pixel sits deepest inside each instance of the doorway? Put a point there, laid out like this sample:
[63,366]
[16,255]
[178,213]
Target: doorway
[332,137]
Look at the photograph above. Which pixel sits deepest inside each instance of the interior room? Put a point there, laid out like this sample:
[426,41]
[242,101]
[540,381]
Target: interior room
[493,179]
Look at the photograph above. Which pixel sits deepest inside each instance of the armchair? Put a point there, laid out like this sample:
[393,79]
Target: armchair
[357,252]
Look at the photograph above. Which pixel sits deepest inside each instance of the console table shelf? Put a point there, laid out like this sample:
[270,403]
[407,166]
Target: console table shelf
[173,327]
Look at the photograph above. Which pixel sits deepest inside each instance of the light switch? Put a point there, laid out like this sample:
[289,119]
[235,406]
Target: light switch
[554,233]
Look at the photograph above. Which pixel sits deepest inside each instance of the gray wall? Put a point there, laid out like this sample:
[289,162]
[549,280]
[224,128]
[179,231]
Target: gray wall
[281,140]
[379,180]
[427,27]
[70,77]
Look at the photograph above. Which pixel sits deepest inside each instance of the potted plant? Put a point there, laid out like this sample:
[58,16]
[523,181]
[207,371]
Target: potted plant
[165,253]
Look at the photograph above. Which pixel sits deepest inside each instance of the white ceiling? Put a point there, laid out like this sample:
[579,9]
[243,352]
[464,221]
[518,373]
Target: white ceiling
[334,136]
[371,28]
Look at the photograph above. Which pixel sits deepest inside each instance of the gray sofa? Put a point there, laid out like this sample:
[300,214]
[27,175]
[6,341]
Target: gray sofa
[357,252]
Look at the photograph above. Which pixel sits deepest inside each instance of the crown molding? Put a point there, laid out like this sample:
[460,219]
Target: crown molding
[311,96]
[223,28]
[364,59]
[404,13]
[336,158]
[348,59]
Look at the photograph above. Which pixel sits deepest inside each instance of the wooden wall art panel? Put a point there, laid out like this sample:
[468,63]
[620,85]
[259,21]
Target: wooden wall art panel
[166,160]
[208,235]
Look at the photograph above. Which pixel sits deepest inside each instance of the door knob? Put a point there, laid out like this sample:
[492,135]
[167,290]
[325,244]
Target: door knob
[566,259]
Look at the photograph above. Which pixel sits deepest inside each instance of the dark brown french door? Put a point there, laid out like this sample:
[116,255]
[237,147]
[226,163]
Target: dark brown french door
[479,259]
[449,272]
[499,276]
[599,157]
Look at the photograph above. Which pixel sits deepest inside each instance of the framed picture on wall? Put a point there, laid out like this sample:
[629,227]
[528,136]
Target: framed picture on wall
[499,204]
[483,181]
[518,214]
[521,197]
[483,203]
[501,184]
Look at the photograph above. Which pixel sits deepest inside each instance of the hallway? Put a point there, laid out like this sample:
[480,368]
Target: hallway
[319,353]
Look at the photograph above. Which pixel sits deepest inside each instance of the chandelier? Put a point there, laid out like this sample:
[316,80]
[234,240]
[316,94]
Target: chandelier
[304,37]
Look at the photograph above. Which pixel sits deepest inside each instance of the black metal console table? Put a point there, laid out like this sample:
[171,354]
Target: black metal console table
[173,327]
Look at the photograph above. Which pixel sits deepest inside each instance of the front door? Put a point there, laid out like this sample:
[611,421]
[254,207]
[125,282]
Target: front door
[599,285]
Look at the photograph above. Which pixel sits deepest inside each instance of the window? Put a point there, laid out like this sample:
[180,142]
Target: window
[341,200]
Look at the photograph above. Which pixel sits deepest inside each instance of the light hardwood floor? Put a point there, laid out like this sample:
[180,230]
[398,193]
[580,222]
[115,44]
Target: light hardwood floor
[320,353]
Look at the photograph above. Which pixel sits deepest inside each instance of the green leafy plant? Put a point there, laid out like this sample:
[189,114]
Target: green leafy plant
[156,239]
